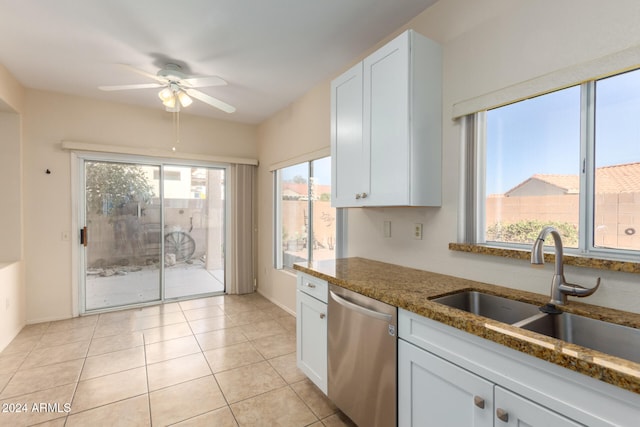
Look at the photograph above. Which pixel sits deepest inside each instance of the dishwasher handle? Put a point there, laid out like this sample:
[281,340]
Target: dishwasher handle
[358,308]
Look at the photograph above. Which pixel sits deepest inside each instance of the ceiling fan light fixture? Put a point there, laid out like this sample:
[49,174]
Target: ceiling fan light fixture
[165,94]
[185,100]
[170,102]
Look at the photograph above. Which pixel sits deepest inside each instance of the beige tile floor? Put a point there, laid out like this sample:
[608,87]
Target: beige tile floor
[218,361]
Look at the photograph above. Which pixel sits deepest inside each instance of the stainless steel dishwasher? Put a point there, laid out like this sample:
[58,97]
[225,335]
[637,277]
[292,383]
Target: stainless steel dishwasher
[362,354]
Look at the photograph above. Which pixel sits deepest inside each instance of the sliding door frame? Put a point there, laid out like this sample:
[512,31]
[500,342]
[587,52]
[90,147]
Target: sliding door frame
[78,216]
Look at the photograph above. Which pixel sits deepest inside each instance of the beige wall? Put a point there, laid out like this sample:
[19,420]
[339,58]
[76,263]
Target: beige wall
[12,301]
[10,191]
[12,284]
[488,46]
[303,127]
[11,92]
[50,118]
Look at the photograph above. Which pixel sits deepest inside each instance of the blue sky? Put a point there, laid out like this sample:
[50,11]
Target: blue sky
[542,135]
[322,171]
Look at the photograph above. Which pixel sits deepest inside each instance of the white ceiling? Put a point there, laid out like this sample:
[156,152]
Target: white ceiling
[269,51]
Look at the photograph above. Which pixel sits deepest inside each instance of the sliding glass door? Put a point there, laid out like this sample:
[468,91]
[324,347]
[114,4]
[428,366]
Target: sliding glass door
[194,230]
[121,235]
[150,232]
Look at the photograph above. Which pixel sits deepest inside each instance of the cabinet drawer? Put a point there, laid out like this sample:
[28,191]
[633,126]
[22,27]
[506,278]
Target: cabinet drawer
[313,286]
[415,329]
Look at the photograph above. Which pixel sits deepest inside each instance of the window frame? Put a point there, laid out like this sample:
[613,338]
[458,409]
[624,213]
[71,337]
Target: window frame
[340,219]
[472,225]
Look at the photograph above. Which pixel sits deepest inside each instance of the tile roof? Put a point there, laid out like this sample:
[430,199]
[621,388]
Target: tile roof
[618,178]
[609,179]
[301,189]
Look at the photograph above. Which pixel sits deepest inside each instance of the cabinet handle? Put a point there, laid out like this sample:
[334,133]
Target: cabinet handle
[502,415]
[478,401]
[357,196]
[311,285]
[364,195]
[322,315]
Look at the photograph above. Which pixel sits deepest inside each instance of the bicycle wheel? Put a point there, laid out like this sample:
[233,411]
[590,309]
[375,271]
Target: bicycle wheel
[180,244]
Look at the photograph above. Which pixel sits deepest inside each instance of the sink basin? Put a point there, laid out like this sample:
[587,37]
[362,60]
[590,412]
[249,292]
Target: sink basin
[616,340]
[494,307]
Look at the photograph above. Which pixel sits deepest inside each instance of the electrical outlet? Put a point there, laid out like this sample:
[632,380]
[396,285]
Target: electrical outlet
[387,229]
[417,231]
[64,236]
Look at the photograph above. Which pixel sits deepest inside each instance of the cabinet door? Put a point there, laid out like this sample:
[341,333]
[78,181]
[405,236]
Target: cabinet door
[349,160]
[515,411]
[434,392]
[311,338]
[386,122]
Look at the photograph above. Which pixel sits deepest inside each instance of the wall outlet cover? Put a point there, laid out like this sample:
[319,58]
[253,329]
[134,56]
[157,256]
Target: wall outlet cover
[417,231]
[387,228]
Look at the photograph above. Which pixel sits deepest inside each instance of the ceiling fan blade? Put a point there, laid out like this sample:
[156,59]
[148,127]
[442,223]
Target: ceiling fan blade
[144,73]
[134,86]
[204,81]
[210,100]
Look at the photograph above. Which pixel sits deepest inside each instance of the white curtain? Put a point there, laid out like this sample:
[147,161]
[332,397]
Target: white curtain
[241,245]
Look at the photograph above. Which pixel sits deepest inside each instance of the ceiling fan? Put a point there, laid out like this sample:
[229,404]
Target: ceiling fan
[177,87]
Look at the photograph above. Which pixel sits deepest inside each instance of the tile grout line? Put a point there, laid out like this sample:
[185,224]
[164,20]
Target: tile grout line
[84,362]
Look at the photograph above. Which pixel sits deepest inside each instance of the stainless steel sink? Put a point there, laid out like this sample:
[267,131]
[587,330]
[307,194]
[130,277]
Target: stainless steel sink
[610,338]
[494,307]
[606,337]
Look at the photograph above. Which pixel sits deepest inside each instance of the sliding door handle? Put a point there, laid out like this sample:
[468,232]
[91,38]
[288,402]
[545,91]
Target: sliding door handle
[84,236]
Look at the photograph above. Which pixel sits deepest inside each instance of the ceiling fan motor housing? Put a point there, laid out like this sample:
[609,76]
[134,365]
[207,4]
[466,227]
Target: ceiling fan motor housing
[172,72]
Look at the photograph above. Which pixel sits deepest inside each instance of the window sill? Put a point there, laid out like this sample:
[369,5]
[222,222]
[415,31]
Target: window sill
[577,261]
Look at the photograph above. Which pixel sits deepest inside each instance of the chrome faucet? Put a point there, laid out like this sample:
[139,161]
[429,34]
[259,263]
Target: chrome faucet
[560,288]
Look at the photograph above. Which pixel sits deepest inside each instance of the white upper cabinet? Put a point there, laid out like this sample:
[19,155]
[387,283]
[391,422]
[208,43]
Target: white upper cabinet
[386,127]
[347,156]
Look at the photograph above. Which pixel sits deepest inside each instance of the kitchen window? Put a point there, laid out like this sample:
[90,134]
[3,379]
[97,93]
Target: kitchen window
[569,158]
[305,222]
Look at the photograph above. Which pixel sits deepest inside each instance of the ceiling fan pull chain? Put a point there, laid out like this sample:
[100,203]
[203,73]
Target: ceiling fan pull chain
[178,126]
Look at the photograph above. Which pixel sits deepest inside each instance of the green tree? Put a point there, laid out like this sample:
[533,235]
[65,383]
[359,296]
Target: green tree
[112,186]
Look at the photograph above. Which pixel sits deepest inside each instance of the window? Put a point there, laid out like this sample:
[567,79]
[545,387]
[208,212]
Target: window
[305,221]
[532,164]
[570,159]
[616,218]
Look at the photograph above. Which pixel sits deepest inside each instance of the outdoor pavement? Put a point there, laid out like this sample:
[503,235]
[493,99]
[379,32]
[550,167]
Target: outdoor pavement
[132,287]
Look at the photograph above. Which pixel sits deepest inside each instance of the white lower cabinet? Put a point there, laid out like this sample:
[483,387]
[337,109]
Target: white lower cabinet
[311,329]
[516,411]
[450,378]
[434,392]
